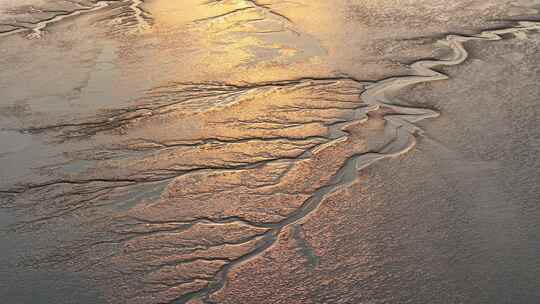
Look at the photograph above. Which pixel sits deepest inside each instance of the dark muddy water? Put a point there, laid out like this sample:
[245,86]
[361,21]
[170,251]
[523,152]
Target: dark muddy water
[236,151]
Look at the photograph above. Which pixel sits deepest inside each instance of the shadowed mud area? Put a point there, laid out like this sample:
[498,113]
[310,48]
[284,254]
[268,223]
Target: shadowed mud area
[238,151]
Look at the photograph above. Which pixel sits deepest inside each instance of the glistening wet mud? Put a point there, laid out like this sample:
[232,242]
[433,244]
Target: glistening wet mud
[240,142]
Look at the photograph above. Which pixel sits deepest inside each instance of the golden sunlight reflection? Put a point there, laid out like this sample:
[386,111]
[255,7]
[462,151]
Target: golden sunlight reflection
[256,42]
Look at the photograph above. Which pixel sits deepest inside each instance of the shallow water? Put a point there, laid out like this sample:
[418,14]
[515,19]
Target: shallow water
[238,151]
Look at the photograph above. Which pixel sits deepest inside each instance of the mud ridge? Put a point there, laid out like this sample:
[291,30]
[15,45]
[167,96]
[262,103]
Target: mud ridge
[175,97]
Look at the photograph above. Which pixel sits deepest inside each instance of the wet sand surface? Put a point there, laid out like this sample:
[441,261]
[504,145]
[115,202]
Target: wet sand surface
[239,151]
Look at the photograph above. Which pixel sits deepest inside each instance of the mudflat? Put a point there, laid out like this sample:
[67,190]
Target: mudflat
[265,151]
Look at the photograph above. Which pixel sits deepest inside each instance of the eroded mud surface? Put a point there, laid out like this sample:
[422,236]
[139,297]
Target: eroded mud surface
[242,151]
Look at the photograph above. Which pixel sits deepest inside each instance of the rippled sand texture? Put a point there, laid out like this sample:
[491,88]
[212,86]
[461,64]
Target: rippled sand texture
[241,151]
